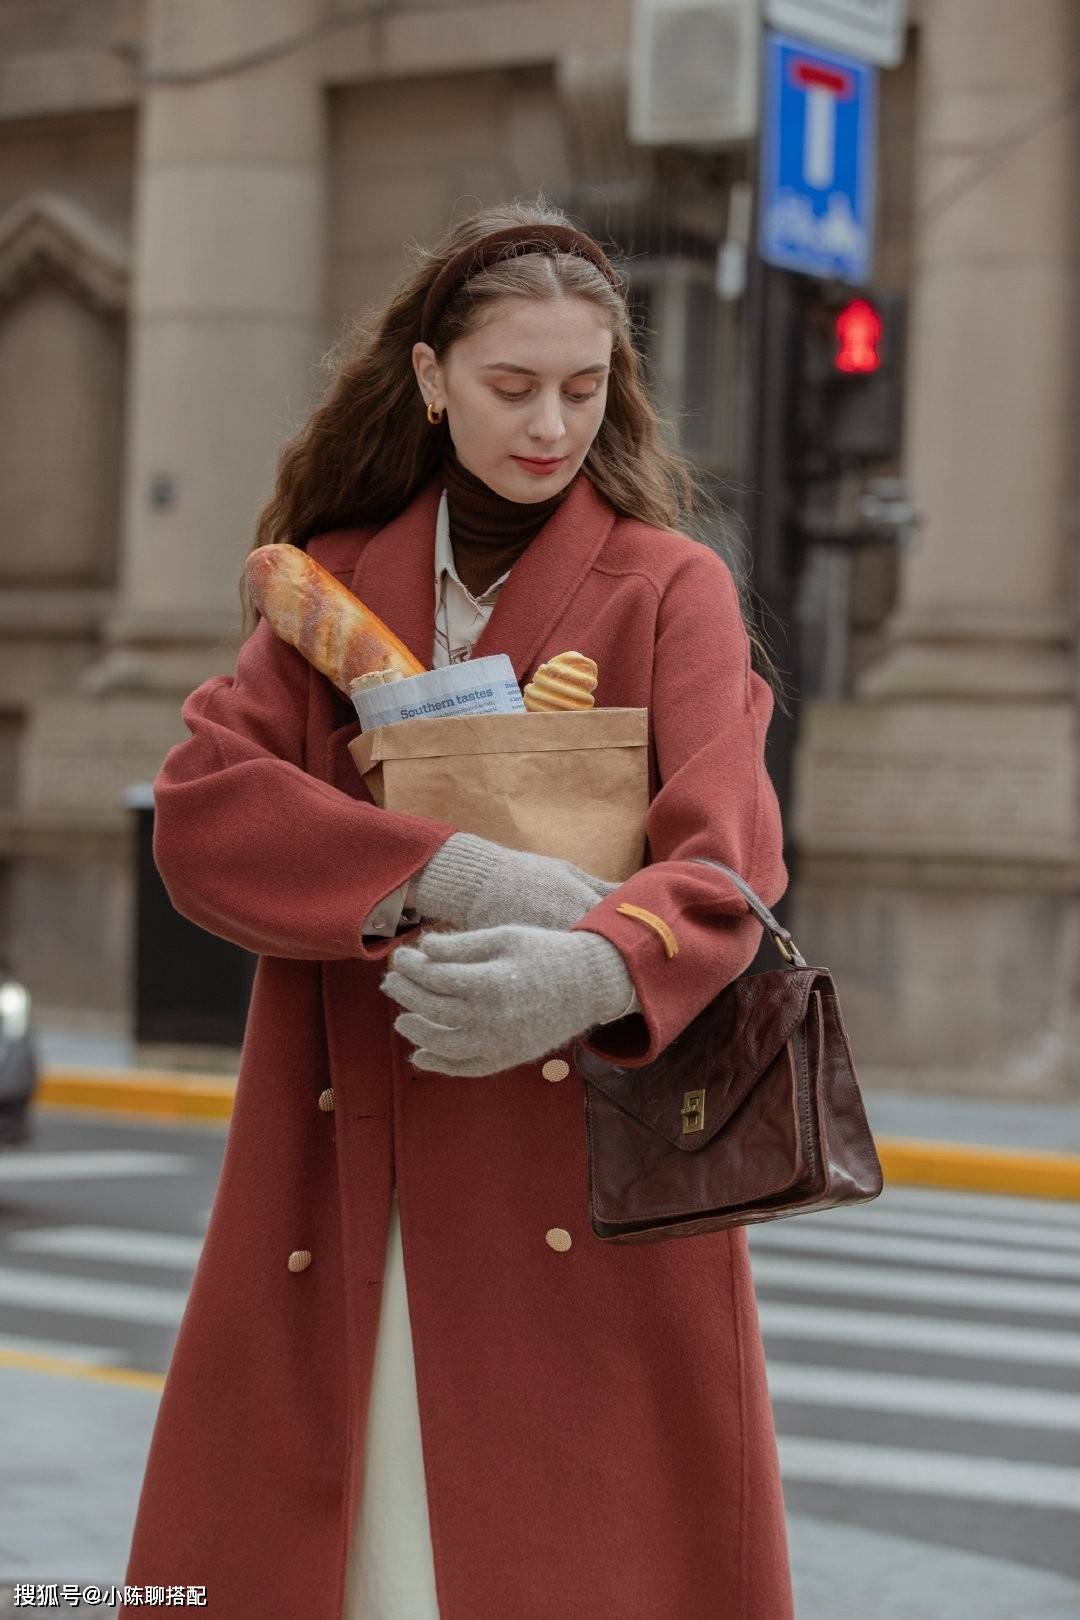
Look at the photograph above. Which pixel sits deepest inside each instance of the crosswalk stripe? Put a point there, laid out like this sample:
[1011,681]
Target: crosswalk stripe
[983,1341]
[939,1288]
[923,1397]
[888,1246]
[104,1163]
[1017,1211]
[109,1243]
[90,1296]
[984,1229]
[927,1473]
[93,1355]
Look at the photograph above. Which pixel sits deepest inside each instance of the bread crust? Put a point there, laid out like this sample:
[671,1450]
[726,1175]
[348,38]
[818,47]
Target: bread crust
[564,682]
[311,609]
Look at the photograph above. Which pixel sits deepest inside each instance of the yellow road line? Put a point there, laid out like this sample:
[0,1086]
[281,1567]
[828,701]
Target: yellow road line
[65,1367]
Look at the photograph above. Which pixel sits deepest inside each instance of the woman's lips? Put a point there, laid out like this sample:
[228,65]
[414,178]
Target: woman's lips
[539,467]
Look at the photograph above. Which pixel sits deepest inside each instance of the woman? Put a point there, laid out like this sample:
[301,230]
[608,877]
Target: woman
[552,1428]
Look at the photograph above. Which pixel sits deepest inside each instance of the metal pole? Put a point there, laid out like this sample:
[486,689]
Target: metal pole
[772,309]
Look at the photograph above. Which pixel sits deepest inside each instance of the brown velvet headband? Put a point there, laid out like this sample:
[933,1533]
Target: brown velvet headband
[523,238]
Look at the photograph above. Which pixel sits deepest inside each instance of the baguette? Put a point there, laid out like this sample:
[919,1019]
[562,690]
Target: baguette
[312,610]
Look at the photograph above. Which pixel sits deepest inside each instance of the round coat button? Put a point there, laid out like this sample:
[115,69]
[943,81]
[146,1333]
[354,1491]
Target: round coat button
[300,1259]
[558,1238]
[555,1069]
[326,1100]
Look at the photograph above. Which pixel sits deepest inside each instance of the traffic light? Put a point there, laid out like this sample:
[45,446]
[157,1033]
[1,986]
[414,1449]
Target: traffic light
[849,396]
[857,330]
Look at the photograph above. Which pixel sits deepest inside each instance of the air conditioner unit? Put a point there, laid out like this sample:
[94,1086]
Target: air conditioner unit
[694,68]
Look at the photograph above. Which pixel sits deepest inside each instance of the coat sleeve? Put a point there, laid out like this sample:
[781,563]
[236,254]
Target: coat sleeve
[253,847]
[710,714]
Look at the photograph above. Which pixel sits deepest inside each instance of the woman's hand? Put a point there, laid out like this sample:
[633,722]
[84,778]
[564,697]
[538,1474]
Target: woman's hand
[488,1000]
[472,882]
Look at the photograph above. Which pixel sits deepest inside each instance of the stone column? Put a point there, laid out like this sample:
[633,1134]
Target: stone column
[938,807]
[226,319]
[987,600]
[226,331]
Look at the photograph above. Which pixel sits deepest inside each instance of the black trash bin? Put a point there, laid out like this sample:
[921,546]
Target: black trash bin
[191,988]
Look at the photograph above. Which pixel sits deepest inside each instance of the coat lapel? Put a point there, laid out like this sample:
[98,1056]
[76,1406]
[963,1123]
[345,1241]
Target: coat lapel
[395,574]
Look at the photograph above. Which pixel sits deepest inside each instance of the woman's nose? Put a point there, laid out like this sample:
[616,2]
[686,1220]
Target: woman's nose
[547,423]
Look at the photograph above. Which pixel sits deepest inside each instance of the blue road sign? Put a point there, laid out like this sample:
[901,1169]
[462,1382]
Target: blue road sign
[818,156]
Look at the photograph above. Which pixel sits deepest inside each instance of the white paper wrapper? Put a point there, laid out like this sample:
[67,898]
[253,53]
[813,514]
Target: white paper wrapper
[478,686]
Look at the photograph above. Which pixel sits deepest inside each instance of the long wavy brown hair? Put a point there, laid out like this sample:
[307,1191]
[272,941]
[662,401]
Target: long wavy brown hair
[368,447]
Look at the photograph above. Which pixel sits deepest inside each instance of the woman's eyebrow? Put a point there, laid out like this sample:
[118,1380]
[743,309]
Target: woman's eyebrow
[508,365]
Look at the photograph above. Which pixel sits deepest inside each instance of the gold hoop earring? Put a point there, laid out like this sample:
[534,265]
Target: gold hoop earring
[434,416]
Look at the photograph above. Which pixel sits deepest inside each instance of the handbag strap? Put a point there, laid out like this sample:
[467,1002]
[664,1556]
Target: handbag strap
[780,936]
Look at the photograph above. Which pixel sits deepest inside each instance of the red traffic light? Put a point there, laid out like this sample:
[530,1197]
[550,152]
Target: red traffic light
[857,328]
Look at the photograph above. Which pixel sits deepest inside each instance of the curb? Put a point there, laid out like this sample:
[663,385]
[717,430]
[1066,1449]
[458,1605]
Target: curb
[970,1167]
[913,1162]
[163,1096]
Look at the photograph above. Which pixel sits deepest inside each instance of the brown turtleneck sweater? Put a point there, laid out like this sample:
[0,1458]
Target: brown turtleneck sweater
[488,533]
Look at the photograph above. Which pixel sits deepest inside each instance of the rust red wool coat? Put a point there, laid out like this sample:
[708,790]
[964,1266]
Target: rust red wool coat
[597,1435]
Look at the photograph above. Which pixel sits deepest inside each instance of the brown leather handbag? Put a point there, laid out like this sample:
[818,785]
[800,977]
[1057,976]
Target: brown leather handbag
[752,1113]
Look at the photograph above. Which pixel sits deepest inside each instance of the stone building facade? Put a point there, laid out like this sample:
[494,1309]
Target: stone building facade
[195,201]
[936,803]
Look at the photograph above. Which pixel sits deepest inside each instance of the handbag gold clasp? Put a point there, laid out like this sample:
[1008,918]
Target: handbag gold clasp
[693,1110]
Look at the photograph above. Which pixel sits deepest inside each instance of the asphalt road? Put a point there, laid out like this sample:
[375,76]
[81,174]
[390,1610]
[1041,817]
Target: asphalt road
[923,1355]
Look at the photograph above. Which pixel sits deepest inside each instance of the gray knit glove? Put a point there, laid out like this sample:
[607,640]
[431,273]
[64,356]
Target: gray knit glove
[488,1000]
[472,882]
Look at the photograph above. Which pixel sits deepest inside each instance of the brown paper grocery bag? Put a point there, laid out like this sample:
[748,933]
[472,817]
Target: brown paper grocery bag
[572,783]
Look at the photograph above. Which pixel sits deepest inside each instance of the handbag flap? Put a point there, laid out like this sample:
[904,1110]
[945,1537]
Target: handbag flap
[724,1051]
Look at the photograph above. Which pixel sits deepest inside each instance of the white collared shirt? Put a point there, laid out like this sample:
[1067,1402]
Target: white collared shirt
[459,620]
[459,615]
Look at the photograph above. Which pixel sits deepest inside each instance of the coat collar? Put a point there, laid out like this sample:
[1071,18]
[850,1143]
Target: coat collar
[394,574]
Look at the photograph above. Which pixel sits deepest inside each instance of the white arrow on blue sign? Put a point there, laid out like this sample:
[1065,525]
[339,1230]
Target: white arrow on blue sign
[818,158]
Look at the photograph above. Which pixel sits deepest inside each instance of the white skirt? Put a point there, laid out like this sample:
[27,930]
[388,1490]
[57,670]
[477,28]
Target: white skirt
[391,1573]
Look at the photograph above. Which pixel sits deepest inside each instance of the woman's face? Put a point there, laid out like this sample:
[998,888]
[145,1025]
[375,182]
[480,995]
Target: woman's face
[527,387]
